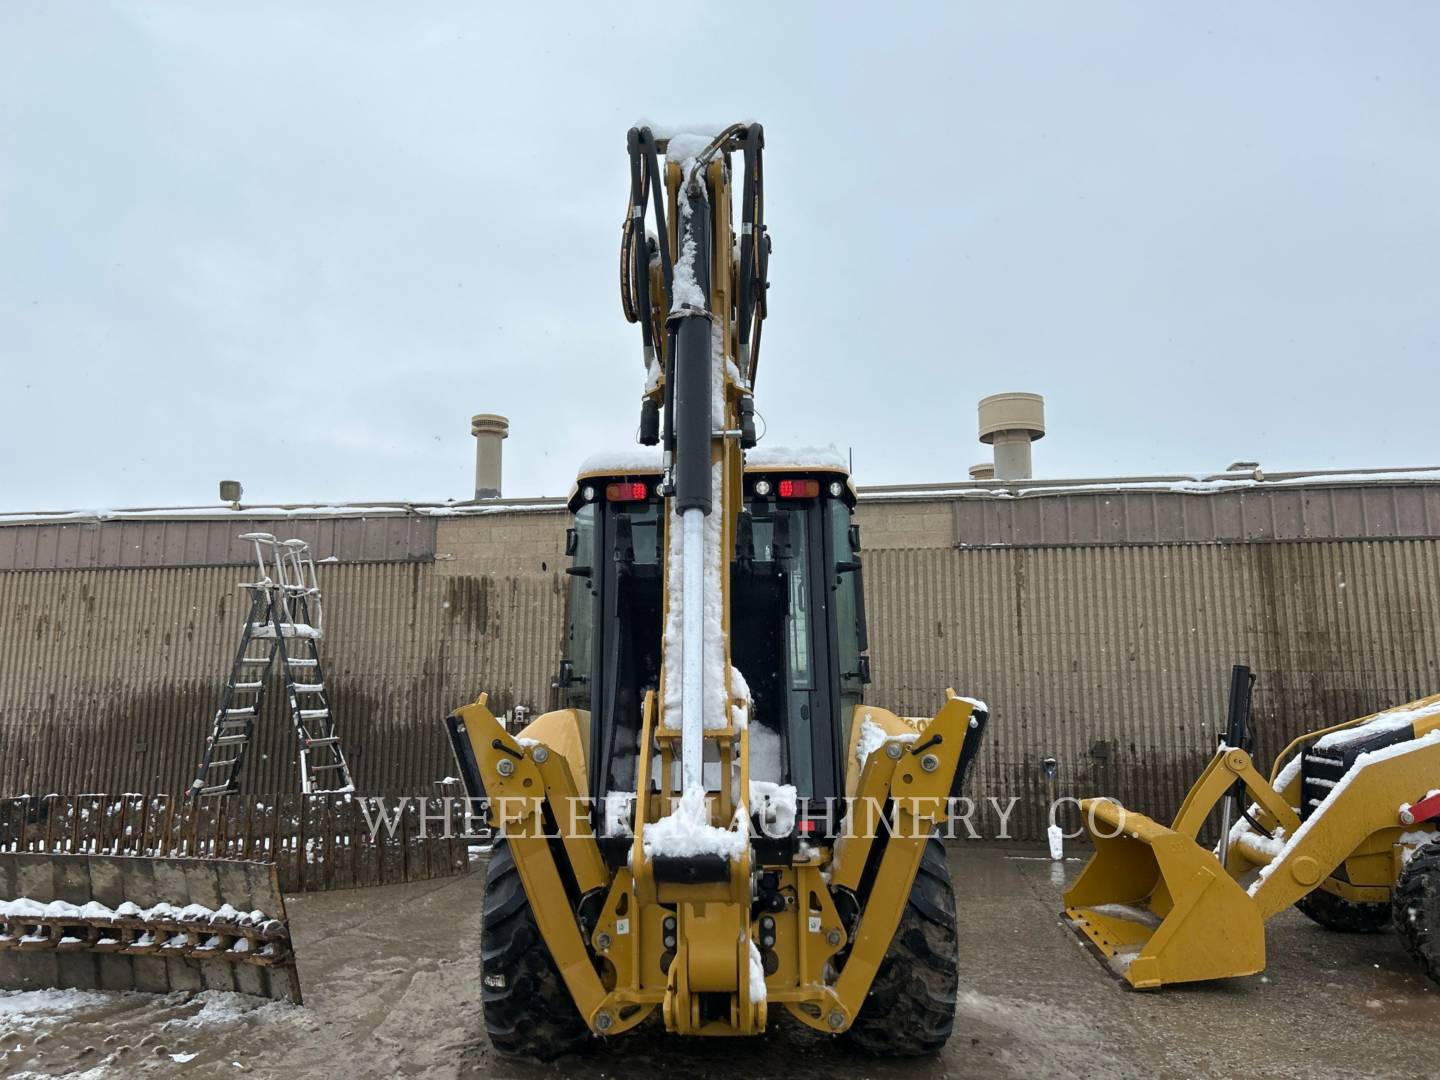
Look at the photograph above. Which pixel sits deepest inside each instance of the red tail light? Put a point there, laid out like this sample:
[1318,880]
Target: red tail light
[631,492]
[799,489]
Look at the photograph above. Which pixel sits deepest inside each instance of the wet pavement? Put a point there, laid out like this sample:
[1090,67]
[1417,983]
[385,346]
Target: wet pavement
[391,981]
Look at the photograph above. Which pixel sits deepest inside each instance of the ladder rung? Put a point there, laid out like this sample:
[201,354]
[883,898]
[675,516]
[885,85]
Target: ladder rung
[221,764]
[309,687]
[246,685]
[226,740]
[328,740]
[314,714]
[254,659]
[248,710]
[324,768]
[218,789]
[302,663]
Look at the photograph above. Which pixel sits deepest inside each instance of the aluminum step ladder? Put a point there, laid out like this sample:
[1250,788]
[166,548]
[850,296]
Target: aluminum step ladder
[285,625]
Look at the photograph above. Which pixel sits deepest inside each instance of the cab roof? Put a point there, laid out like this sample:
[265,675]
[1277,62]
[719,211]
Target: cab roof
[646,461]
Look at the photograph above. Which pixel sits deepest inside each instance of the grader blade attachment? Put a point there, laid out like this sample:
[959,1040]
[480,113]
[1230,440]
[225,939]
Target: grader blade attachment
[1159,907]
[157,925]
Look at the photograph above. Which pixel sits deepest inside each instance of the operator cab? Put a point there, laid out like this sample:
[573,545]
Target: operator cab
[797,633]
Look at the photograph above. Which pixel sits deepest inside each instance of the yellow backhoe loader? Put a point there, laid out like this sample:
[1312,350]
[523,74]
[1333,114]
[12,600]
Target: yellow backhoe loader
[1344,828]
[713,823]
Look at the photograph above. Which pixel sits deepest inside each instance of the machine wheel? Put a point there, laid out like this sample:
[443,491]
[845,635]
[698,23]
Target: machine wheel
[1417,907]
[910,1009]
[528,1009]
[1347,916]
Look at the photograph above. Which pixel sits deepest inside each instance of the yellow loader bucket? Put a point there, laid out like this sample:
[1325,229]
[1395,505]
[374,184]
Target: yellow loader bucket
[1159,907]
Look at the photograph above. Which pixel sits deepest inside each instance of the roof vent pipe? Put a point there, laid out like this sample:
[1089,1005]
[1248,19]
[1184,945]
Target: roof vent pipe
[489,431]
[1011,422]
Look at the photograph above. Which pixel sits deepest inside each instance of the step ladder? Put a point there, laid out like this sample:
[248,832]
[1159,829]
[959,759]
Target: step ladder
[285,626]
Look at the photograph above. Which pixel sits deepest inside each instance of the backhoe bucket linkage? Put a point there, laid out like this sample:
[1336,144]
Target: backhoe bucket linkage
[1161,908]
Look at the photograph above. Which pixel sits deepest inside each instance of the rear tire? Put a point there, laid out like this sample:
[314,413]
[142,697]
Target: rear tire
[1417,908]
[528,1009]
[1345,916]
[910,1010]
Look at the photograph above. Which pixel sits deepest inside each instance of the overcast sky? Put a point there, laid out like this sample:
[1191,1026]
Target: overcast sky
[299,244]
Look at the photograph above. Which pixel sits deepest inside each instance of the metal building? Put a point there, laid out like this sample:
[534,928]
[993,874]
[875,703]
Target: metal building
[1099,619]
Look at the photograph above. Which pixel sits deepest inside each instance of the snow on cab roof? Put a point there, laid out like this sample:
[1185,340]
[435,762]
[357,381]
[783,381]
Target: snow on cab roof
[647,459]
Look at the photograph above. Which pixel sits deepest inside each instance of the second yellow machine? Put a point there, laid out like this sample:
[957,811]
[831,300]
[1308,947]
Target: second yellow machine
[714,824]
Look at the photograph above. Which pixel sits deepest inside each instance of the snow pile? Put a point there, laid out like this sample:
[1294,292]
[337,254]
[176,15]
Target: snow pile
[774,805]
[873,736]
[27,1010]
[687,832]
[714,698]
[1242,828]
[630,459]
[1253,843]
[618,807]
[1362,762]
[740,694]
[1128,912]
[757,975]
[764,754]
[1412,842]
[823,458]
[684,145]
[224,1007]
[685,290]
[1383,723]
[975,703]
[25,908]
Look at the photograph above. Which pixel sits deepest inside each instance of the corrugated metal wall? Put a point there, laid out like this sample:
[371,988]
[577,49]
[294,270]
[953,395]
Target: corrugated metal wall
[136,542]
[108,679]
[1280,512]
[1112,659]
[1116,661]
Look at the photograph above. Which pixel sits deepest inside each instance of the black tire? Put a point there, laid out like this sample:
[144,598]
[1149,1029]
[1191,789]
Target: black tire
[910,1010]
[528,1009]
[1417,907]
[1345,916]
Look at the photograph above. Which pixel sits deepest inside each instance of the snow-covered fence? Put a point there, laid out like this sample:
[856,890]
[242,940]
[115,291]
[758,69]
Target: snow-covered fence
[315,841]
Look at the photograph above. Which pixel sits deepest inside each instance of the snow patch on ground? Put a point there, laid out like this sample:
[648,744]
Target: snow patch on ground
[30,1010]
[224,1007]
